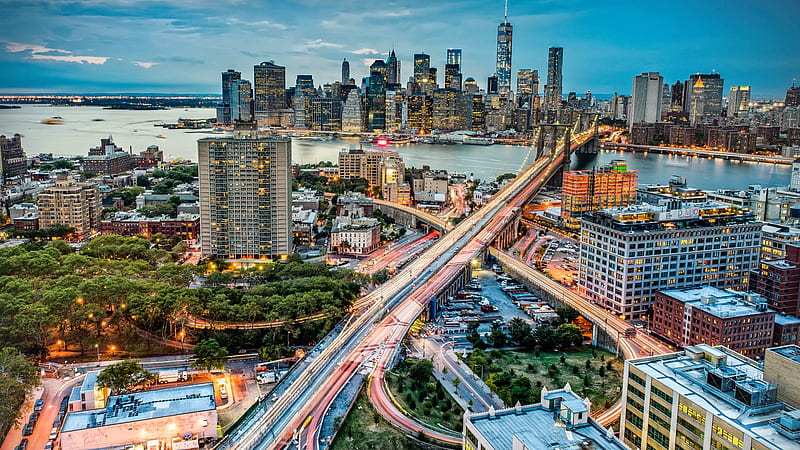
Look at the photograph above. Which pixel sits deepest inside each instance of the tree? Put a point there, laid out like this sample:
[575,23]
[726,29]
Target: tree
[497,335]
[567,313]
[17,376]
[209,355]
[545,337]
[518,329]
[126,376]
[421,371]
[568,335]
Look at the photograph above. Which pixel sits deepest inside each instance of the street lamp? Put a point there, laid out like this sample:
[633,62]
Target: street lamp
[97,347]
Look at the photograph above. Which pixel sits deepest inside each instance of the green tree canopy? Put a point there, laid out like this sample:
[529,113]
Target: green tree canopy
[126,376]
[209,355]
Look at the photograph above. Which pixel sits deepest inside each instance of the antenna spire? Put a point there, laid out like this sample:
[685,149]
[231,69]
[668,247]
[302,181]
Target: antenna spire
[505,13]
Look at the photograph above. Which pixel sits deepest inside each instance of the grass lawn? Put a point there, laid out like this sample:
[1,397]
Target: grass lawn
[360,431]
[428,403]
[604,372]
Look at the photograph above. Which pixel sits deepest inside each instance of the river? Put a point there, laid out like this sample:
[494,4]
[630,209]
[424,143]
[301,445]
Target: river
[135,130]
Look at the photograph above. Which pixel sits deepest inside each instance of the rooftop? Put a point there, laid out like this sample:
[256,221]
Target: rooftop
[643,217]
[694,375]
[538,427]
[143,406]
[720,303]
[783,320]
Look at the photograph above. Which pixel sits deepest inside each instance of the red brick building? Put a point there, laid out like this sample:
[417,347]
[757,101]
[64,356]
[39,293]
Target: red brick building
[185,226]
[740,321]
[779,281]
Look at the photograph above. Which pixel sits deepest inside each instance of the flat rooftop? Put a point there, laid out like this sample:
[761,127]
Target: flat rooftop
[536,428]
[718,302]
[143,406]
[687,376]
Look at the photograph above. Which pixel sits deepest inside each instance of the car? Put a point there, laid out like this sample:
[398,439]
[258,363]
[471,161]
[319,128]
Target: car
[34,416]
[49,446]
[223,392]
[38,405]
[23,444]
[27,430]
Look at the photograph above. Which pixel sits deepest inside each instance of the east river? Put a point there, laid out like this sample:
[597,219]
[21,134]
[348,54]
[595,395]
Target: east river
[81,130]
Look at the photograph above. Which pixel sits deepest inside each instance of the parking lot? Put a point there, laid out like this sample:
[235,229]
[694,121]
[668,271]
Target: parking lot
[560,260]
[491,297]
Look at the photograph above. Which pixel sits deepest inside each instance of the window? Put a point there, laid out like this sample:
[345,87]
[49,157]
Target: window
[682,407]
[662,395]
[658,436]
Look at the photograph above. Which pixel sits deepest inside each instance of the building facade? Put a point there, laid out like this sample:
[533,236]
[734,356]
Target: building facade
[13,161]
[646,98]
[708,397]
[503,65]
[630,253]
[554,91]
[245,196]
[72,204]
[269,93]
[606,186]
[741,321]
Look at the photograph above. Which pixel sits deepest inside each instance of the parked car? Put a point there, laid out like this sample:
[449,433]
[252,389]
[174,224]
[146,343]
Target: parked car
[38,405]
[34,417]
[27,430]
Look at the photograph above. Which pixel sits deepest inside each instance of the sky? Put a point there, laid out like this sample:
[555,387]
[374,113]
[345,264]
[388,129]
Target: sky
[182,46]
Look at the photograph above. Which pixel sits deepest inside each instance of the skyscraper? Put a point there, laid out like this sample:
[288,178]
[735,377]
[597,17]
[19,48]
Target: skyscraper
[677,93]
[554,90]
[738,100]
[241,105]
[224,108]
[491,85]
[527,86]
[269,93]
[352,113]
[702,97]
[345,72]
[303,93]
[452,77]
[422,65]
[376,96]
[13,161]
[454,57]
[503,66]
[245,196]
[393,69]
[646,98]
[793,96]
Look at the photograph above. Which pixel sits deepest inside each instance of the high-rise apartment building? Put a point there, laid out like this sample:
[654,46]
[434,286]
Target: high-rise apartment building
[245,196]
[269,97]
[72,204]
[778,280]
[738,100]
[646,98]
[738,320]
[345,72]
[454,57]
[13,161]
[702,97]
[554,89]
[503,66]
[606,186]
[629,253]
[707,397]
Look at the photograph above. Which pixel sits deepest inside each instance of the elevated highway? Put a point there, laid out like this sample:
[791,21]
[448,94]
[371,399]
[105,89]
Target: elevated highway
[375,335]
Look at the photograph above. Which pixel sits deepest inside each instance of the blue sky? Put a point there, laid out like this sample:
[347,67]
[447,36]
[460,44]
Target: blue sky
[181,46]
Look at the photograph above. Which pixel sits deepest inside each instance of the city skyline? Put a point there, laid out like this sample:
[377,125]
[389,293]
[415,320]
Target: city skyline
[87,47]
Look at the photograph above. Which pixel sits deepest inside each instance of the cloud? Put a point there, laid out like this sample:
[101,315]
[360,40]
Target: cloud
[40,52]
[145,65]
[258,23]
[319,43]
[365,51]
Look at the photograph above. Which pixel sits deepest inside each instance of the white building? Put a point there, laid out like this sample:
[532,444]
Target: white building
[629,253]
[356,236]
[179,418]
[560,421]
[646,98]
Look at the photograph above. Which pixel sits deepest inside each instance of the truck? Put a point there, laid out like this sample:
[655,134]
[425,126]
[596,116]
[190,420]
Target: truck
[172,375]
